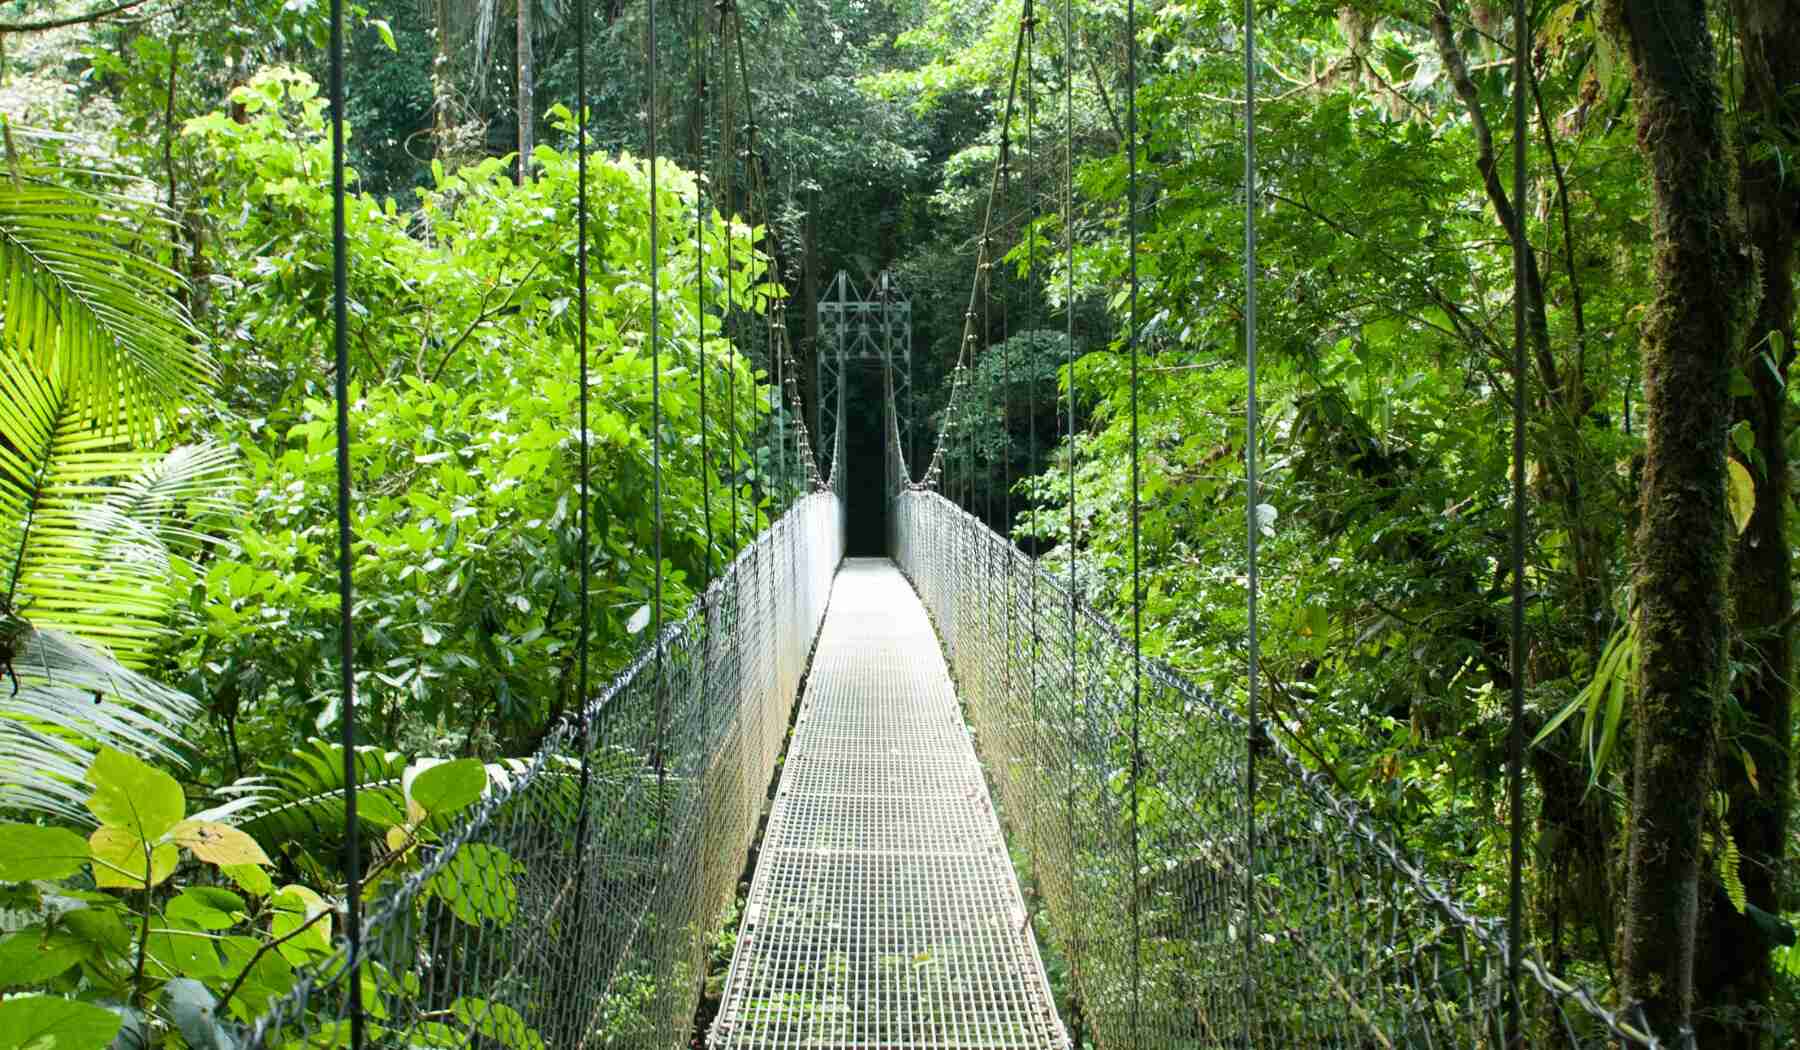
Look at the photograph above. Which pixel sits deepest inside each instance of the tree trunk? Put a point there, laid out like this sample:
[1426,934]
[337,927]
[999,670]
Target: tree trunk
[1732,979]
[527,88]
[442,123]
[1691,336]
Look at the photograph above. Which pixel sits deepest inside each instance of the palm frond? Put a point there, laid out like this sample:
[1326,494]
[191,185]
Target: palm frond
[60,459]
[84,292]
[303,798]
[74,699]
[159,502]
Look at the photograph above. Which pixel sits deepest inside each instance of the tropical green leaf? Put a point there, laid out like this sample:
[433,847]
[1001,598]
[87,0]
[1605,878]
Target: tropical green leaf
[33,1022]
[88,301]
[304,796]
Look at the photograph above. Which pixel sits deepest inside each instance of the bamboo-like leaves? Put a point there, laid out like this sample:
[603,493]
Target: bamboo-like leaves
[85,295]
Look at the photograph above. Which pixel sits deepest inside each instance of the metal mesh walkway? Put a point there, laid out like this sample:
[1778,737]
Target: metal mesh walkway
[884,911]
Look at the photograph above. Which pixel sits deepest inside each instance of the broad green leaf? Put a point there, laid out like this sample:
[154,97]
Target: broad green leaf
[387,33]
[1740,494]
[1743,438]
[497,1021]
[1777,930]
[207,907]
[184,952]
[250,878]
[218,843]
[34,955]
[478,885]
[49,1022]
[295,906]
[99,926]
[133,795]
[448,786]
[120,861]
[270,976]
[195,1012]
[28,852]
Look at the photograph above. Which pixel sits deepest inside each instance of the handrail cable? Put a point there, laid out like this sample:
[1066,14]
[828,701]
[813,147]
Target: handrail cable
[1252,511]
[964,358]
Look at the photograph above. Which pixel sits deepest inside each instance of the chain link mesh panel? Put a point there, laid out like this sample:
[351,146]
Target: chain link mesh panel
[1349,942]
[575,905]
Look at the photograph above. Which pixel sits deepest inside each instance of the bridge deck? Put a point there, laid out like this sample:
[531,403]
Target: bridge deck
[884,911]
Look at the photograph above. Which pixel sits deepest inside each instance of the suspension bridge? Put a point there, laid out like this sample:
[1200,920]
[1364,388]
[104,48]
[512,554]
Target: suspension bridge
[959,805]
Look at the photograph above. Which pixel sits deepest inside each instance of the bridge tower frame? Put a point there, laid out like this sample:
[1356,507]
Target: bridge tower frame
[859,328]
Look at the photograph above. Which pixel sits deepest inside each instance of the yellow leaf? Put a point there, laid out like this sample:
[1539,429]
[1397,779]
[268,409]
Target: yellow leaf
[119,861]
[217,843]
[1740,493]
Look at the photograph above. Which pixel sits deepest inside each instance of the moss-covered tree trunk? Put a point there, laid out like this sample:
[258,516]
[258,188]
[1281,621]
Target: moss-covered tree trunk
[1691,336]
[1732,982]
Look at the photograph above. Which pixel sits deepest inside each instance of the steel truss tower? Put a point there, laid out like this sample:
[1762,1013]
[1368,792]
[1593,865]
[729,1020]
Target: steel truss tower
[863,329]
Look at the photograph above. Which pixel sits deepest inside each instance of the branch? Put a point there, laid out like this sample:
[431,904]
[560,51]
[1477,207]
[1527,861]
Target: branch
[1510,219]
[1562,200]
[1112,117]
[484,317]
[1467,329]
[69,20]
[262,951]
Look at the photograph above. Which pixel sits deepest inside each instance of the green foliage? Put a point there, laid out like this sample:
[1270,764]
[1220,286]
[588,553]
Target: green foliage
[97,515]
[465,398]
[32,1021]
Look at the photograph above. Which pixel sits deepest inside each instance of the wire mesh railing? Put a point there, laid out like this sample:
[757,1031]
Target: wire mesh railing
[1346,941]
[574,905]
[1189,908]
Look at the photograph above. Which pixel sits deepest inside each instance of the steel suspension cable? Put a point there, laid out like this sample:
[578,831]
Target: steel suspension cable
[1252,512]
[961,376]
[340,337]
[656,609]
[700,294]
[1137,594]
[733,322]
[588,720]
[1515,745]
[1075,701]
[1031,236]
